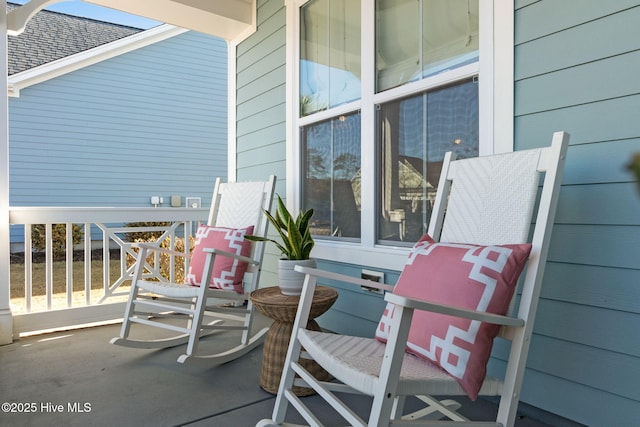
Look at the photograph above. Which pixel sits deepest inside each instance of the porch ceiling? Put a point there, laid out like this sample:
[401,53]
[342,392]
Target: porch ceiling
[228,19]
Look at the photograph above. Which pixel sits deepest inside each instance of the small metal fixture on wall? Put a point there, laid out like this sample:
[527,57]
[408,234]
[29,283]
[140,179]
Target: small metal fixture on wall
[193,202]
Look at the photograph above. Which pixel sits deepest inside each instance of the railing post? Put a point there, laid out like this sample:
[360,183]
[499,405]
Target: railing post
[6,319]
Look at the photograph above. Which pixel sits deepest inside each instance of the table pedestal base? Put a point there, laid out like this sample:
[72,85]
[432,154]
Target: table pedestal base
[273,358]
[282,309]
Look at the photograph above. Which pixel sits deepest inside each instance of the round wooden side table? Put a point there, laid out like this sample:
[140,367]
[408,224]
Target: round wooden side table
[282,309]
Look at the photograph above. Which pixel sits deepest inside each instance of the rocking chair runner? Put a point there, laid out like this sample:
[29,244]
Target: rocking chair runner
[489,205]
[219,258]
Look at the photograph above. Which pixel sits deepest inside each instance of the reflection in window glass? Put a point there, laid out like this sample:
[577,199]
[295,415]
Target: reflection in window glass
[329,54]
[414,135]
[331,171]
[419,38]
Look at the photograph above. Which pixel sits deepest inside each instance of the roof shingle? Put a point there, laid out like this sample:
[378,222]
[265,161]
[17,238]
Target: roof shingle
[50,35]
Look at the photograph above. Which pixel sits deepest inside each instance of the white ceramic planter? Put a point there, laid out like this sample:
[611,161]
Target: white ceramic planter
[289,280]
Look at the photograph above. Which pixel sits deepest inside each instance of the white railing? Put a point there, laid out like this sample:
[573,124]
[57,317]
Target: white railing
[104,228]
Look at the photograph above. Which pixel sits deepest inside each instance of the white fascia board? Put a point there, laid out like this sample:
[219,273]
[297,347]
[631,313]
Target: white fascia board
[89,57]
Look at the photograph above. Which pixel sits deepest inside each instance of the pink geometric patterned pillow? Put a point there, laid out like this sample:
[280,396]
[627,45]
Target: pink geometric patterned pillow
[474,277]
[227,272]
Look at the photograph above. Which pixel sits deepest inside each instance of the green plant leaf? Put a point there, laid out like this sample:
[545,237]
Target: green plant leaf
[279,226]
[297,241]
[302,222]
[282,214]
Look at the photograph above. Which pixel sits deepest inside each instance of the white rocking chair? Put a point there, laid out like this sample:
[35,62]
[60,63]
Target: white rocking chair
[488,201]
[236,210]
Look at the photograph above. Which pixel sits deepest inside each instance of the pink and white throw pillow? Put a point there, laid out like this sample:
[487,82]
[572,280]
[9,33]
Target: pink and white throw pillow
[481,278]
[227,272]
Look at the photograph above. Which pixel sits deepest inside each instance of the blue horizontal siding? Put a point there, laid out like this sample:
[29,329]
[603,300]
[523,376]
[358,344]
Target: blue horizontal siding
[596,122]
[151,122]
[584,35]
[593,286]
[566,87]
[612,378]
[575,71]
[260,109]
[157,115]
[567,399]
[534,21]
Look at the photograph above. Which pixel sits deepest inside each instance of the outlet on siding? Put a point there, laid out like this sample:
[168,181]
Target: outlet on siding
[374,276]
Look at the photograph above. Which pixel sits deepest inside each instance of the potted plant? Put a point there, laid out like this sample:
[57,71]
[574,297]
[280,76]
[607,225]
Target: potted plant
[295,247]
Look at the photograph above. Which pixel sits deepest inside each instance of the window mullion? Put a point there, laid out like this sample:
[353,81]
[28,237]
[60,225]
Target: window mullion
[368,137]
[486,83]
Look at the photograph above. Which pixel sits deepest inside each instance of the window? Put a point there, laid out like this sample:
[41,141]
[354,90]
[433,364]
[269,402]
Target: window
[414,135]
[417,39]
[329,54]
[331,163]
[382,89]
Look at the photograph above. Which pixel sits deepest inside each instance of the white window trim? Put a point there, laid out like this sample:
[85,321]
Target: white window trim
[232,111]
[496,122]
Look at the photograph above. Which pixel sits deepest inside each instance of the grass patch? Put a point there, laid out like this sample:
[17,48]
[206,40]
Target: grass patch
[59,284]
[59,270]
[60,298]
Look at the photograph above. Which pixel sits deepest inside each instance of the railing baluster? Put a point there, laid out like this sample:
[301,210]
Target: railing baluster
[28,267]
[69,262]
[172,258]
[106,263]
[49,264]
[123,261]
[188,229]
[87,263]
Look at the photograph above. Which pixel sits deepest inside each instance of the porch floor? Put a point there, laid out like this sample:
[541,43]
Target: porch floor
[76,378]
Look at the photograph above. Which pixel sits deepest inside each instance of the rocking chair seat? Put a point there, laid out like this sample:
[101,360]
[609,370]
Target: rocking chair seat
[168,289]
[357,361]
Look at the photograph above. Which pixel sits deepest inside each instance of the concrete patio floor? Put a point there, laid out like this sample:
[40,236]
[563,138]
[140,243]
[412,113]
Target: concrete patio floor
[76,378]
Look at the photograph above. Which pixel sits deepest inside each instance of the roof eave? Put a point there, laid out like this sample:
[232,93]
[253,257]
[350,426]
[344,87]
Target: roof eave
[80,60]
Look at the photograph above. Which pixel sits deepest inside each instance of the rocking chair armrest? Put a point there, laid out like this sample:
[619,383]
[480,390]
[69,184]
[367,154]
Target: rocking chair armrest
[482,316]
[154,248]
[231,255]
[343,278]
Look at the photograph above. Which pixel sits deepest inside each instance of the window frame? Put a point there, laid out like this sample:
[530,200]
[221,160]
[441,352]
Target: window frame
[495,71]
